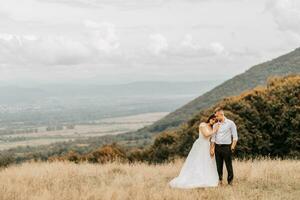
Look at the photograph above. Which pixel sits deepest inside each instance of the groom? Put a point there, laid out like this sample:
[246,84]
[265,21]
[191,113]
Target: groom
[223,144]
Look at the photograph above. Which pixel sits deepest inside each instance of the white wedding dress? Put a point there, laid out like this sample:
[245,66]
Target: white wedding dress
[199,169]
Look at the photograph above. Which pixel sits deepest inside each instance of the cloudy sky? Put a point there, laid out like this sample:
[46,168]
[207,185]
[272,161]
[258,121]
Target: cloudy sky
[112,41]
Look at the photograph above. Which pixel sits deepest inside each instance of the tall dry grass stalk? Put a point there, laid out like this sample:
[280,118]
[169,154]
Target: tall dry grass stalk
[264,179]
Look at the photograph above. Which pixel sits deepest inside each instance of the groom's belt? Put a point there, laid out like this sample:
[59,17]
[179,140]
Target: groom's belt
[223,145]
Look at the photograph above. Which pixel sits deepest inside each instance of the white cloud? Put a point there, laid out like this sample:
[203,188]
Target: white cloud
[32,50]
[286,14]
[158,43]
[189,45]
[217,48]
[99,41]
[103,36]
[129,4]
[188,42]
[6,37]
[55,39]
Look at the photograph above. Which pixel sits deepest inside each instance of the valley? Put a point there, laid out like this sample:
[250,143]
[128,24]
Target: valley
[44,135]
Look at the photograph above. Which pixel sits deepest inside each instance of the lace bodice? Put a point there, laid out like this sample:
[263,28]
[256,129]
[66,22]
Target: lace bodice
[200,133]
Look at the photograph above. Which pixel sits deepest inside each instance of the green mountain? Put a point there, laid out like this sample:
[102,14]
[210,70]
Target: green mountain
[256,75]
[267,119]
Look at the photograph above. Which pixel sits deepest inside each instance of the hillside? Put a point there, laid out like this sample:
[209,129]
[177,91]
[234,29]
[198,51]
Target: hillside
[256,75]
[267,119]
[116,181]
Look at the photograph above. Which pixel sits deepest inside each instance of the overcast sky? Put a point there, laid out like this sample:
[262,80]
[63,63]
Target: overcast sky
[112,41]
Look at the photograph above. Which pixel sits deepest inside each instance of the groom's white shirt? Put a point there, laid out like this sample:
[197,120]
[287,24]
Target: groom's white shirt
[226,131]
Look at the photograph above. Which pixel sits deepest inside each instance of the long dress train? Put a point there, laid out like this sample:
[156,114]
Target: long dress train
[199,169]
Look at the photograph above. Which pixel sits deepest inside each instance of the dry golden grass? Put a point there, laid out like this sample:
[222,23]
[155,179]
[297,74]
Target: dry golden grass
[265,179]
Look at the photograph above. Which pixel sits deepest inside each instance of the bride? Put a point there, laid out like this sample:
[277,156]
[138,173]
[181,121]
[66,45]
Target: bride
[199,168]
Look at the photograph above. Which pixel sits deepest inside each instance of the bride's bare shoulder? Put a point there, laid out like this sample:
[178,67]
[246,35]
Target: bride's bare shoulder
[202,124]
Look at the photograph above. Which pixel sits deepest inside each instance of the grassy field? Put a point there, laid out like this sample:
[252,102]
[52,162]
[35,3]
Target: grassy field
[265,179]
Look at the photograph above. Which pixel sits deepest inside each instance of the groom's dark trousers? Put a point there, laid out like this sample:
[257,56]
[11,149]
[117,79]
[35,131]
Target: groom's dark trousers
[223,153]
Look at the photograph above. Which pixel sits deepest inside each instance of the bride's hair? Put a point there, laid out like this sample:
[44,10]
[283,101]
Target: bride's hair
[210,117]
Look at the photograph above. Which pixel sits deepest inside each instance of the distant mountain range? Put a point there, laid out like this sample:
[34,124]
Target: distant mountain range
[79,102]
[256,75]
[20,94]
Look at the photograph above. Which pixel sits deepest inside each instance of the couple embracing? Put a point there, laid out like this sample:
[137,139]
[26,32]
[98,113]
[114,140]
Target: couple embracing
[203,166]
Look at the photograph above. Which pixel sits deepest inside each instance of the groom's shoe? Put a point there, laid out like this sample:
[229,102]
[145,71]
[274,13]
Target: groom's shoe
[230,183]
